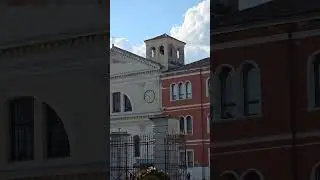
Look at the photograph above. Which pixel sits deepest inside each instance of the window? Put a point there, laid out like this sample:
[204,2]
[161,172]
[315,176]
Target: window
[190,158]
[181,90]
[21,116]
[153,52]
[161,50]
[57,138]
[185,124]
[174,92]
[251,175]
[251,87]
[209,156]
[178,53]
[228,176]
[181,124]
[127,104]
[208,123]
[188,90]
[189,124]
[207,87]
[116,104]
[182,158]
[187,158]
[316,69]
[136,141]
[227,102]
[120,103]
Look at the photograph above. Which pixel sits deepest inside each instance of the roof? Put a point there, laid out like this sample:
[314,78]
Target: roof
[194,65]
[164,36]
[270,11]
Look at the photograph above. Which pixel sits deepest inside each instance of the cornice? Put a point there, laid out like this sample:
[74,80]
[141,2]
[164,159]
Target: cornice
[135,57]
[135,116]
[185,71]
[141,73]
[28,47]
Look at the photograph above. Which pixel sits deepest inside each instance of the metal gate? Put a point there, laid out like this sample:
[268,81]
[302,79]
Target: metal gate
[129,154]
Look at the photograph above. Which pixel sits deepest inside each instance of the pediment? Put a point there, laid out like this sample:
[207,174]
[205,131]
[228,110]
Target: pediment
[124,62]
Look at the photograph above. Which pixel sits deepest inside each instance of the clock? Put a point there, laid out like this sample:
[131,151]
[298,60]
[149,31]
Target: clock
[149,96]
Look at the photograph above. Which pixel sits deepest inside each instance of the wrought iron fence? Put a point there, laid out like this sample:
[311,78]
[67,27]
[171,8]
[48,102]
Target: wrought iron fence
[130,154]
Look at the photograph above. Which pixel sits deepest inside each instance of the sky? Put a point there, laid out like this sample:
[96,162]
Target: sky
[133,21]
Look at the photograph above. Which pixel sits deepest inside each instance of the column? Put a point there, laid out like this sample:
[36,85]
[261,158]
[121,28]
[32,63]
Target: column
[39,131]
[160,132]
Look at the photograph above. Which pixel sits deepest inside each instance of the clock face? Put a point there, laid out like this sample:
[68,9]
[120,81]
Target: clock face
[149,96]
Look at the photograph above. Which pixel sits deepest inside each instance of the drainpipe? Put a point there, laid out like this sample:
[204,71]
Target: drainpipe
[291,66]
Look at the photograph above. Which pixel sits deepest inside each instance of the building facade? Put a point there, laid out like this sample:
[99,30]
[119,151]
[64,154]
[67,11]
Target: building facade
[264,92]
[185,96]
[136,109]
[50,77]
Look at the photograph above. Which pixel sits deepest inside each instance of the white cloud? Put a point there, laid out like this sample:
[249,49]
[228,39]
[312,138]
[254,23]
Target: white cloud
[195,31]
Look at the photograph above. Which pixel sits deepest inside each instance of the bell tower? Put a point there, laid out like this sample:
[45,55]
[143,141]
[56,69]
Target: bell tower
[165,50]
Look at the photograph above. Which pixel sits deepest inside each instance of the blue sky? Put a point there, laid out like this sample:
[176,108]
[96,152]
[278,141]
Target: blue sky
[133,21]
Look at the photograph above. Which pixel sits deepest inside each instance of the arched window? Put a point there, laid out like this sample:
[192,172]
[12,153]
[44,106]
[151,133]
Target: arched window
[315,173]
[57,138]
[252,175]
[174,90]
[227,101]
[136,141]
[208,87]
[314,81]
[121,103]
[189,124]
[21,131]
[127,104]
[229,176]
[116,102]
[153,52]
[188,90]
[182,125]
[178,53]
[161,50]
[181,90]
[251,90]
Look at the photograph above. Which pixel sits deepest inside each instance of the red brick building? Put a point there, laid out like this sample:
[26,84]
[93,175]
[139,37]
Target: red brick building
[266,92]
[185,95]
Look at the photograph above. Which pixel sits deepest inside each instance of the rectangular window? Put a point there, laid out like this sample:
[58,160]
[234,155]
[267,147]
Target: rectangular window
[190,158]
[209,156]
[116,102]
[21,132]
[182,158]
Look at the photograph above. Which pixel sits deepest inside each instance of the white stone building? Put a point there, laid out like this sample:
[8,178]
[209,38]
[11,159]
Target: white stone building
[135,96]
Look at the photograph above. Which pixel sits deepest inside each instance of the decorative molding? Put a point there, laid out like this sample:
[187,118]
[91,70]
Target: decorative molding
[129,74]
[266,39]
[235,28]
[22,49]
[135,116]
[130,56]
